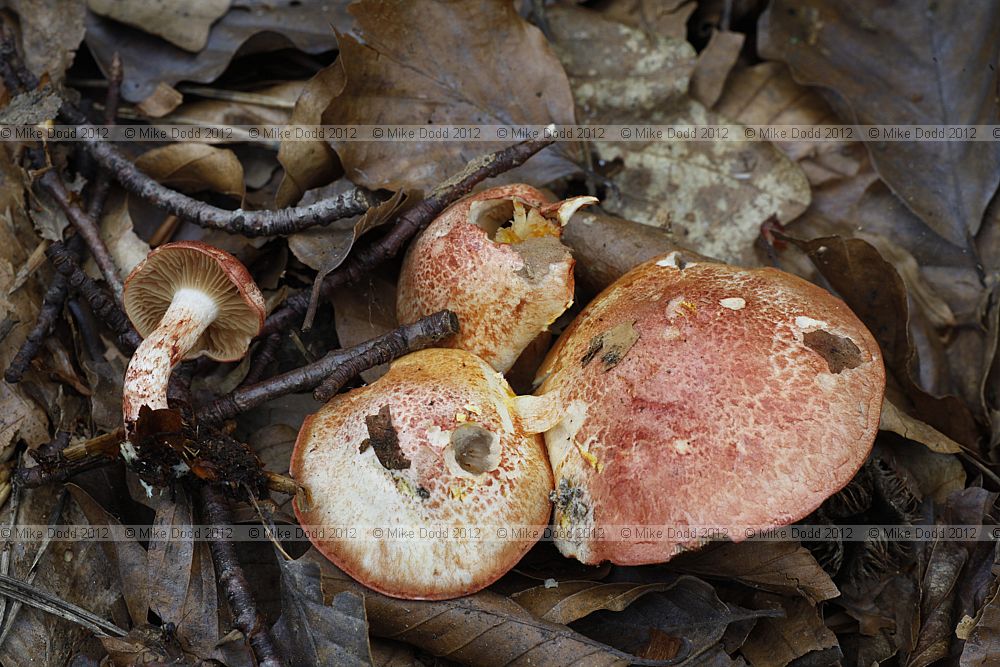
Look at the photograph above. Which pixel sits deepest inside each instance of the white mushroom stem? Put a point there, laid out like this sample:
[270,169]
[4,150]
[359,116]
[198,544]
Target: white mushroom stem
[191,312]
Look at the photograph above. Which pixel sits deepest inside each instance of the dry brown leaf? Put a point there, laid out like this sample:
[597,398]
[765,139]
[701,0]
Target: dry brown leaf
[614,68]
[192,167]
[125,246]
[776,642]
[948,76]
[182,22]
[572,600]
[714,64]
[251,26]
[895,420]
[667,18]
[271,105]
[51,32]
[713,195]
[431,63]
[483,629]
[781,567]
[982,647]
[364,312]
[766,94]
[310,164]
[936,474]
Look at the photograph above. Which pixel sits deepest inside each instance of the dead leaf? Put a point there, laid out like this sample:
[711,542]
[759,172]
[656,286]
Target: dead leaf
[776,642]
[713,196]
[250,26]
[482,629]
[51,32]
[982,647]
[192,167]
[714,64]
[312,632]
[572,600]
[614,68]
[428,63]
[366,311]
[948,77]
[780,567]
[182,22]
[310,164]
[895,420]
[125,246]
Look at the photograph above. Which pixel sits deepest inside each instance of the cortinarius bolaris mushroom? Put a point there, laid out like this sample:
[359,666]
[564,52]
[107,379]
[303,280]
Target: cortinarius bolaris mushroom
[186,299]
[701,396]
[505,283]
[439,445]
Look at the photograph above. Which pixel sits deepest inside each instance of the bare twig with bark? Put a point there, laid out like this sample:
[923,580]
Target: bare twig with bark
[422,333]
[246,617]
[360,263]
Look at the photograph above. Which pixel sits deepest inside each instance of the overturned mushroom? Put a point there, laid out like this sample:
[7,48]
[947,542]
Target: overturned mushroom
[704,400]
[418,470]
[495,259]
[186,299]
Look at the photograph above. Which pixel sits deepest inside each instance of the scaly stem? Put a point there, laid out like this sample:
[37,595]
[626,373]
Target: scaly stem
[191,312]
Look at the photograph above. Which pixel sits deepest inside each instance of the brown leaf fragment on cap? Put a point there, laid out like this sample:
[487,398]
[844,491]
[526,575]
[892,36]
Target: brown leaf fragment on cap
[840,352]
[383,439]
[617,342]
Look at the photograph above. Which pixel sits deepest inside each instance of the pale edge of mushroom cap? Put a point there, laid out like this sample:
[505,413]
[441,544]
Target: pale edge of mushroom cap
[431,394]
[503,294]
[151,285]
[718,414]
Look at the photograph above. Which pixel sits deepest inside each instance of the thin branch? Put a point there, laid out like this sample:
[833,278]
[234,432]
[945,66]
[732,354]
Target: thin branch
[360,263]
[422,333]
[30,478]
[101,303]
[263,356]
[86,227]
[389,347]
[112,98]
[243,608]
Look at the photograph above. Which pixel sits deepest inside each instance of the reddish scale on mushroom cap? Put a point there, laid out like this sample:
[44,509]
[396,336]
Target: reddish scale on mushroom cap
[504,294]
[710,396]
[465,459]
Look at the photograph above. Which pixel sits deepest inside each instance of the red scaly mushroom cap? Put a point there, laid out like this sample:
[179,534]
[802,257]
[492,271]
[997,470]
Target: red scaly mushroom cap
[506,284]
[150,288]
[705,395]
[437,442]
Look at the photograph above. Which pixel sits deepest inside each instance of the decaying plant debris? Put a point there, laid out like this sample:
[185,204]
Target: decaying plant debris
[906,233]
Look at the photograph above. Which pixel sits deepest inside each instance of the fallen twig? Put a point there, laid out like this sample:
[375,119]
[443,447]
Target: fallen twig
[422,333]
[263,356]
[101,303]
[360,263]
[246,617]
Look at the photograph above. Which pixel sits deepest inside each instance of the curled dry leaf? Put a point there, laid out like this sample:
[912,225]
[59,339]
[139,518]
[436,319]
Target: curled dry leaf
[125,246]
[192,167]
[184,23]
[895,420]
[482,629]
[572,600]
[948,77]
[312,632]
[309,164]
[430,63]
[714,64]
[250,26]
[781,567]
[776,642]
[271,105]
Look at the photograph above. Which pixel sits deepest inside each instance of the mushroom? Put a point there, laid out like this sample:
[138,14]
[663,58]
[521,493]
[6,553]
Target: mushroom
[702,400]
[495,259]
[186,299]
[409,477]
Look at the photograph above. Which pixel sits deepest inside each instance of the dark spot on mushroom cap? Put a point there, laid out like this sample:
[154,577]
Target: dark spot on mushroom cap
[472,443]
[840,352]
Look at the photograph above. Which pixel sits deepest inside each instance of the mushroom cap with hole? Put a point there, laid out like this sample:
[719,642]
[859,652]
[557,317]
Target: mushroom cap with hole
[700,396]
[505,287]
[435,444]
[150,288]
